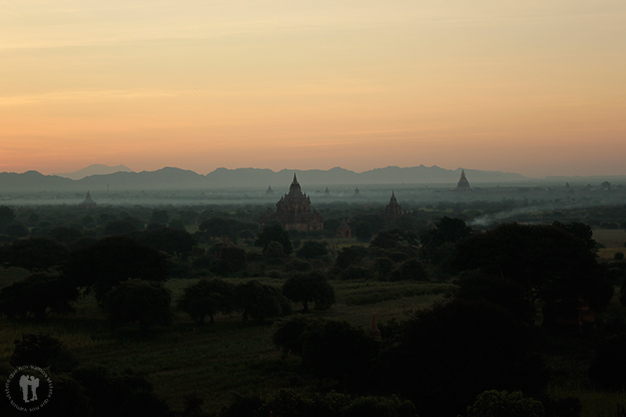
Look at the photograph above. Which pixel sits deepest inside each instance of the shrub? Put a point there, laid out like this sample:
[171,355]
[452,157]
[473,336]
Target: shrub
[608,369]
[502,403]
[42,351]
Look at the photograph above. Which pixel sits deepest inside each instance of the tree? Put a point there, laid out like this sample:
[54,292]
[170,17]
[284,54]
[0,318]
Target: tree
[112,260]
[35,253]
[362,230]
[495,403]
[228,259]
[16,230]
[335,349]
[138,300]
[350,255]
[207,298]
[174,242]
[274,233]
[6,217]
[394,238]
[66,235]
[312,250]
[504,292]
[159,216]
[309,287]
[459,350]
[259,301]
[447,230]
[411,269]
[38,293]
[217,227]
[438,243]
[119,227]
[549,262]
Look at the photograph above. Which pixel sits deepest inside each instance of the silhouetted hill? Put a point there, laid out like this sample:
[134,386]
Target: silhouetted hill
[95,169]
[164,178]
[32,181]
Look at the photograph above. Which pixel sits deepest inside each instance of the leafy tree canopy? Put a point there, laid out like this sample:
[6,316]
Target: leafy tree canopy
[309,287]
[138,300]
[112,260]
[274,233]
[207,298]
[549,262]
[35,253]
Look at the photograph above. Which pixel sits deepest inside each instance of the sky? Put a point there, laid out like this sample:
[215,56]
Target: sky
[533,87]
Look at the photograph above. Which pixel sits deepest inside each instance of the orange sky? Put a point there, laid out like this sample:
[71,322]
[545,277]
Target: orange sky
[533,87]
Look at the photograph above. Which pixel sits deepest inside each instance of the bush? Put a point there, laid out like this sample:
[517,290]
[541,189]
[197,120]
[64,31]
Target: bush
[410,270]
[356,272]
[288,334]
[379,407]
[502,403]
[335,349]
[608,369]
[36,294]
[42,351]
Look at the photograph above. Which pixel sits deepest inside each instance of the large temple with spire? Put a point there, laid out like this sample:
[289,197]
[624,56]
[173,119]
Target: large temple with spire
[293,211]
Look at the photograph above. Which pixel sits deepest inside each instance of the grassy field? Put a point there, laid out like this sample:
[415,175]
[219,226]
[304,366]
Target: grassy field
[219,360]
[613,241]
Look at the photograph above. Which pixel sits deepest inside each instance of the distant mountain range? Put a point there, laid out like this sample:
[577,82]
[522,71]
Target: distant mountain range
[174,178]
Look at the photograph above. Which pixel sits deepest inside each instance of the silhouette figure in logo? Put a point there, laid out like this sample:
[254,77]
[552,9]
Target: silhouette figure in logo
[33,383]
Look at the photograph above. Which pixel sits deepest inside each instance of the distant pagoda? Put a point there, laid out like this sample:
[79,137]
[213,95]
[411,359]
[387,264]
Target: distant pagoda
[463,184]
[393,209]
[88,202]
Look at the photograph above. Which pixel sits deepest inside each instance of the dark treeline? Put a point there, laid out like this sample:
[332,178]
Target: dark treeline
[523,288]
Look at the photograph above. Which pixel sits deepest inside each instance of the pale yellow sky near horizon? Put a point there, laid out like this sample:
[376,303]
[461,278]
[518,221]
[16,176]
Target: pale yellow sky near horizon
[534,87]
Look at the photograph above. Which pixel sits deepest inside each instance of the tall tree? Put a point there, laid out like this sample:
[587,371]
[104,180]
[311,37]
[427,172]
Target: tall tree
[112,260]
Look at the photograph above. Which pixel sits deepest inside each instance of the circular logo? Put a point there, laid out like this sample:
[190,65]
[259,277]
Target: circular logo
[28,388]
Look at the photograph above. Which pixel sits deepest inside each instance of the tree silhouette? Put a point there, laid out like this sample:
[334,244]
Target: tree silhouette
[35,253]
[38,293]
[274,233]
[112,260]
[207,298]
[138,300]
[309,287]
[549,262]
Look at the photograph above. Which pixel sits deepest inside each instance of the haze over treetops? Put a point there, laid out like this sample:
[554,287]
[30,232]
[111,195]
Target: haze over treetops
[535,88]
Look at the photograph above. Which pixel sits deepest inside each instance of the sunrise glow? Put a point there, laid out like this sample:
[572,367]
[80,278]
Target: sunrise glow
[537,88]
